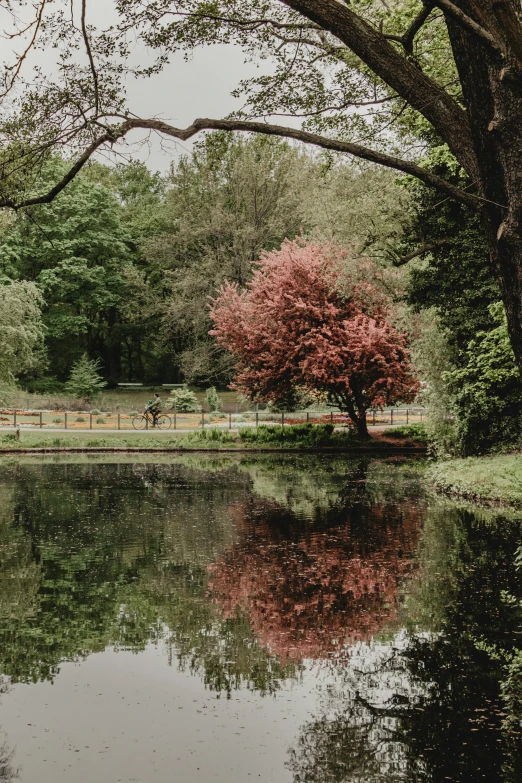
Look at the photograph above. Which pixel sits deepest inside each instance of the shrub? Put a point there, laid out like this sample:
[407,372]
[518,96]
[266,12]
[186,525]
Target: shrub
[57,421]
[213,400]
[211,434]
[80,420]
[95,412]
[184,401]
[415,431]
[307,435]
[85,380]
[44,386]
[100,420]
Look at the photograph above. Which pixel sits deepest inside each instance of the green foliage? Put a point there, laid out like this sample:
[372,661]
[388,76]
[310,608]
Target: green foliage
[305,435]
[83,252]
[44,385]
[487,390]
[97,412]
[462,348]
[85,381]
[212,435]
[455,278]
[184,401]
[21,328]
[213,400]
[414,431]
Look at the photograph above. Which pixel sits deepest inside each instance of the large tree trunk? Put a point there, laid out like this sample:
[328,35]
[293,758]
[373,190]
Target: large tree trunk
[492,91]
[358,417]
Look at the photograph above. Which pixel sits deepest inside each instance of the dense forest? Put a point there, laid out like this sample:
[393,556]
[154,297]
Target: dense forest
[126,259]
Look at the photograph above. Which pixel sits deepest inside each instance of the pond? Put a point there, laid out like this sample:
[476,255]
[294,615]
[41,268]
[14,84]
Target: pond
[274,618]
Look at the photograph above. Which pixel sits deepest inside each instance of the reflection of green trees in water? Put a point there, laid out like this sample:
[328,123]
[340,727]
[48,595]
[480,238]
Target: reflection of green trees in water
[428,707]
[97,554]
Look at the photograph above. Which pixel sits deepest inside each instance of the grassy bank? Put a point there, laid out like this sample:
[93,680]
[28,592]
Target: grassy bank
[495,479]
[296,437]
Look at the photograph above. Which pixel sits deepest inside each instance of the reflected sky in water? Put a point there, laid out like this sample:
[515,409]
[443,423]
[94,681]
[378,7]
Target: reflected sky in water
[280,618]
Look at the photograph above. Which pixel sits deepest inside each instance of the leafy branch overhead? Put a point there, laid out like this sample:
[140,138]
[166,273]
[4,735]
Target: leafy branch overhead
[330,61]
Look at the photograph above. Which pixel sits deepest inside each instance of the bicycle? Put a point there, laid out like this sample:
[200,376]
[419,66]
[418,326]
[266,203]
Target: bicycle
[145,420]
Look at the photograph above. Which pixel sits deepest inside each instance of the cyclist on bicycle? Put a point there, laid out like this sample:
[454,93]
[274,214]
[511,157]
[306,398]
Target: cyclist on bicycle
[154,407]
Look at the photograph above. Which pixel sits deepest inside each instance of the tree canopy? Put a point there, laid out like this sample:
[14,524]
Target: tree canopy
[307,321]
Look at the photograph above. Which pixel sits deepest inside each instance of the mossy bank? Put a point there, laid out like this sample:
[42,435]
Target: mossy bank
[490,479]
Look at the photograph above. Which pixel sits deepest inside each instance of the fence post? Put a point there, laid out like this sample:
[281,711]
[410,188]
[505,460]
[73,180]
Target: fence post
[41,419]
[257,418]
[407,416]
[391,415]
[146,421]
[202,417]
[282,420]
[90,421]
[65,417]
[14,418]
[331,417]
[307,417]
[373,417]
[119,421]
[229,421]
[175,419]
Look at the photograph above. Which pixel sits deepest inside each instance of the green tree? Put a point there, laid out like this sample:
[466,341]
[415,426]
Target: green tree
[213,400]
[184,400]
[83,251]
[462,349]
[487,390]
[85,380]
[232,198]
[21,328]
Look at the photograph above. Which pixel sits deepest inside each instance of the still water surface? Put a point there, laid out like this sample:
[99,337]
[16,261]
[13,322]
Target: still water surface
[214,618]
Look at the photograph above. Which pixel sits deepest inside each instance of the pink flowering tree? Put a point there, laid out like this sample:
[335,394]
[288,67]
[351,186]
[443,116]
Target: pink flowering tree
[304,323]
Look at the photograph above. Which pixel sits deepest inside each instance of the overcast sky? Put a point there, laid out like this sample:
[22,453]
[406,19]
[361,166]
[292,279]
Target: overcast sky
[185,91]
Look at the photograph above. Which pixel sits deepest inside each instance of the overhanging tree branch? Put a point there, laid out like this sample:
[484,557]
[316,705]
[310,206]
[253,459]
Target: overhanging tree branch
[129,124]
[398,72]
[426,247]
[466,21]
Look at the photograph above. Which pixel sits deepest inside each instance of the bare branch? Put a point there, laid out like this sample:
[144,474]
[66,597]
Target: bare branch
[91,58]
[129,124]
[17,67]
[416,25]
[426,247]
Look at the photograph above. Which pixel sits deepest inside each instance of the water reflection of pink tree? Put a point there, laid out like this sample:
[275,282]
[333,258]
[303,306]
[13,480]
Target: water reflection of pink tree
[309,591]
